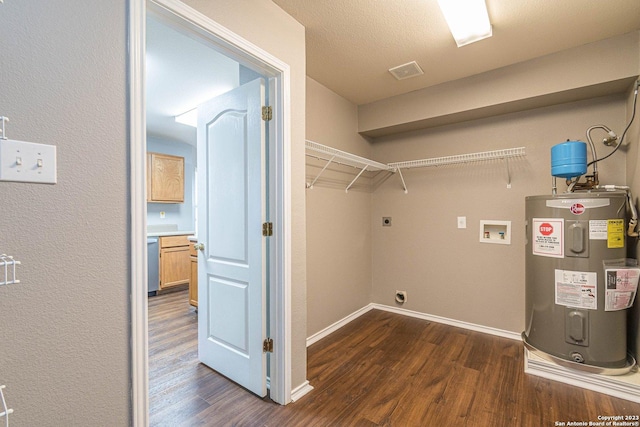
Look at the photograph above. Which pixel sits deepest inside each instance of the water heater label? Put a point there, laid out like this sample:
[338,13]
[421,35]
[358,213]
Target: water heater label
[577,289]
[598,229]
[548,237]
[622,285]
[577,205]
[615,233]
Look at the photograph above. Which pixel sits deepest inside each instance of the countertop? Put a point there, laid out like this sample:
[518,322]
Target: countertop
[162,230]
[171,233]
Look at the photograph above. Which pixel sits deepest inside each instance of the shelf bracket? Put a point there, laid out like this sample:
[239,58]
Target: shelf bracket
[310,186]
[506,159]
[5,411]
[404,185]
[346,190]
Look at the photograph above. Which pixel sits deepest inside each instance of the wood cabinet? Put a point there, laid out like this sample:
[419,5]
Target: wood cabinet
[165,178]
[175,262]
[193,283]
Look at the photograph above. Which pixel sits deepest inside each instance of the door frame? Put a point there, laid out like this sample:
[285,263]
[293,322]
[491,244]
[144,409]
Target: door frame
[279,190]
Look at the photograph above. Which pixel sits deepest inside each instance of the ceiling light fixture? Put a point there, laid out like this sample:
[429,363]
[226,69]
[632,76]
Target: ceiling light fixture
[468,20]
[189,118]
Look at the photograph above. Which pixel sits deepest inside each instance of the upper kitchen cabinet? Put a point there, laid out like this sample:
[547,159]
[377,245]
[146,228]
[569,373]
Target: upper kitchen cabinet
[165,178]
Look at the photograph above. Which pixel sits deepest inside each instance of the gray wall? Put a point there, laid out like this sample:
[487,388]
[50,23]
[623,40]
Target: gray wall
[338,227]
[64,331]
[445,270]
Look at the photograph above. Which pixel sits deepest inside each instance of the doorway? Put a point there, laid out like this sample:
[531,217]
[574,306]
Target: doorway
[195,25]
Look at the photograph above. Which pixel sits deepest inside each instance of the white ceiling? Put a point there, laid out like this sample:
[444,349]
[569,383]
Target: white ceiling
[181,72]
[352,43]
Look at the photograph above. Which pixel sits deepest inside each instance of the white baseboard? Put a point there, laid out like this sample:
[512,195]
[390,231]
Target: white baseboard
[457,323]
[433,318]
[300,391]
[337,325]
[624,387]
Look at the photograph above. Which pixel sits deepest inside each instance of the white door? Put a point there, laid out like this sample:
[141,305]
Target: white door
[231,211]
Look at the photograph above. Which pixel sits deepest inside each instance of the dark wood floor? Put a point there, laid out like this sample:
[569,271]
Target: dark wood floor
[380,370]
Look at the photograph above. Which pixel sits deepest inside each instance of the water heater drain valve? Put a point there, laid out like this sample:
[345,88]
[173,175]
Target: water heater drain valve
[577,357]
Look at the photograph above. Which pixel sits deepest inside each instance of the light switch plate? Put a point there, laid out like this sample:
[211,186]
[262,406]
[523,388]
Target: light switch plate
[27,162]
[462,222]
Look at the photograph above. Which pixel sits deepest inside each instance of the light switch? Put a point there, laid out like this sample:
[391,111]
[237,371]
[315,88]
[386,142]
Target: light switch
[462,222]
[27,162]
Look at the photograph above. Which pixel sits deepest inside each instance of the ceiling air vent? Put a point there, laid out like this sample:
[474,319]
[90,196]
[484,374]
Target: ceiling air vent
[405,71]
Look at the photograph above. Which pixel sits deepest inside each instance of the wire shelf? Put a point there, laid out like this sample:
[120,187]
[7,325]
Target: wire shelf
[4,411]
[462,158]
[324,152]
[333,155]
[8,270]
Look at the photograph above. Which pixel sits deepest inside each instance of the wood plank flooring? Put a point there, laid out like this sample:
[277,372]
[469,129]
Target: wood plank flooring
[382,369]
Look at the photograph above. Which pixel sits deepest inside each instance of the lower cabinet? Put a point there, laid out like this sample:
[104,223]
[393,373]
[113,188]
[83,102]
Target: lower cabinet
[175,263]
[193,283]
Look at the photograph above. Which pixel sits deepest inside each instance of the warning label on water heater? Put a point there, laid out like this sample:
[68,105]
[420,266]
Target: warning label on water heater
[622,285]
[577,289]
[615,233]
[548,237]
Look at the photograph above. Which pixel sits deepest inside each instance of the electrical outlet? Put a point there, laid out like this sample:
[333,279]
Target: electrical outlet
[162,214]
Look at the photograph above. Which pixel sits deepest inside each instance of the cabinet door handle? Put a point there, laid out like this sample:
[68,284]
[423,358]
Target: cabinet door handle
[199,246]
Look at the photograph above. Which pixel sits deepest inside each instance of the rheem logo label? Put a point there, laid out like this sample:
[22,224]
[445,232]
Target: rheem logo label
[577,209]
[546,229]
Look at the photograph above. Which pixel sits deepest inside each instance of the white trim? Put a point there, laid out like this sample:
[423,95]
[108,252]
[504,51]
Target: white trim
[337,325]
[457,323]
[611,385]
[137,154]
[235,46]
[404,312]
[300,391]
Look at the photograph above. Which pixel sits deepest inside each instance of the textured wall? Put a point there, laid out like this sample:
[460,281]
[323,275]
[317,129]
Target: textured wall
[338,228]
[447,271]
[64,331]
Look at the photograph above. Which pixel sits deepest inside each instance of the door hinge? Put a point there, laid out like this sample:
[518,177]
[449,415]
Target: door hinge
[267,113]
[267,345]
[267,229]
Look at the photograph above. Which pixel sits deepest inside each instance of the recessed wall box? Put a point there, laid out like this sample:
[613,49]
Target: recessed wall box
[498,232]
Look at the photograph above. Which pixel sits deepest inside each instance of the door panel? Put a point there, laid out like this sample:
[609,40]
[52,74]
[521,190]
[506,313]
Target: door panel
[231,210]
[228,164]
